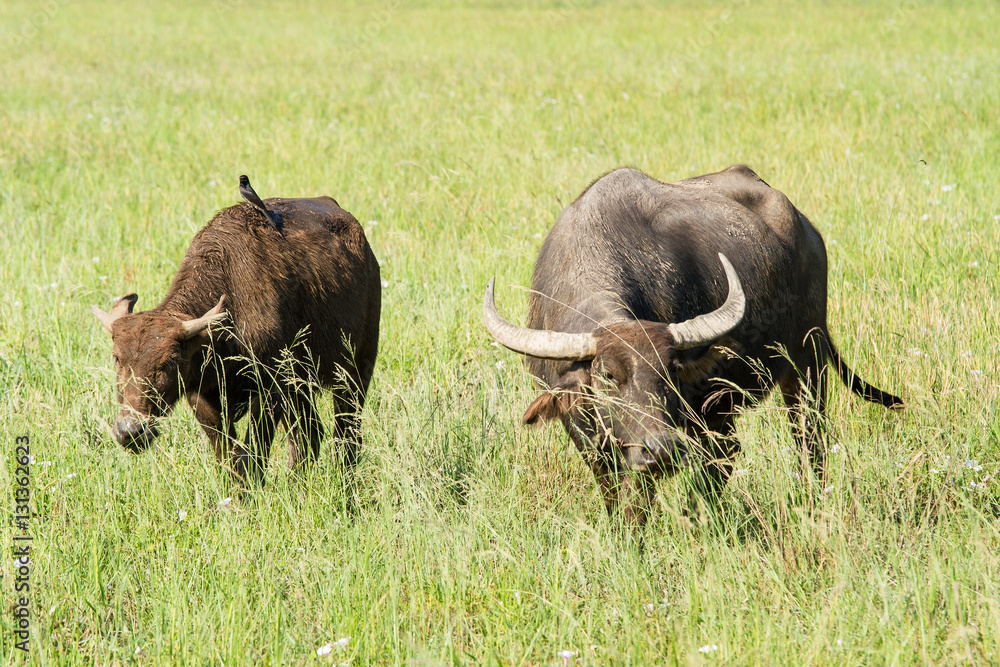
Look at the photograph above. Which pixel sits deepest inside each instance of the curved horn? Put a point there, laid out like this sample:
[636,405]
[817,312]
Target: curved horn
[196,326]
[535,342]
[716,324]
[123,306]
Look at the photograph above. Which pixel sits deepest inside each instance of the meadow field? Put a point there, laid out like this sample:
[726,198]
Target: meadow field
[456,133]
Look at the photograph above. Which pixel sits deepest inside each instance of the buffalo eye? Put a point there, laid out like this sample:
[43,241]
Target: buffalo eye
[610,378]
[116,359]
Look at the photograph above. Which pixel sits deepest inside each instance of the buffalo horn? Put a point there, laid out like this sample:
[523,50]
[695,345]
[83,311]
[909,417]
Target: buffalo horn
[196,326]
[712,326]
[535,342]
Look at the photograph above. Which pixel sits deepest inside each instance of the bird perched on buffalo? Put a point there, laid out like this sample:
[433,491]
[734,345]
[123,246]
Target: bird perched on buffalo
[247,192]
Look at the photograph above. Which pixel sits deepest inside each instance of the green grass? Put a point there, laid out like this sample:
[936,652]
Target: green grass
[462,538]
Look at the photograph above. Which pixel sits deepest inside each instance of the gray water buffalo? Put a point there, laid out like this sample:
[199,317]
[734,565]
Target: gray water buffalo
[268,304]
[658,311]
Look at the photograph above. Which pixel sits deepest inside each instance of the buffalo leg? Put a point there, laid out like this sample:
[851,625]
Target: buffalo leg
[715,460]
[248,460]
[603,468]
[350,401]
[635,497]
[348,430]
[713,466]
[805,397]
[305,432]
[628,495]
[221,432]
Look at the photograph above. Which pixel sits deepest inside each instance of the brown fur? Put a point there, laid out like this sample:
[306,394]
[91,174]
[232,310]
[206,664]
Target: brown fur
[318,280]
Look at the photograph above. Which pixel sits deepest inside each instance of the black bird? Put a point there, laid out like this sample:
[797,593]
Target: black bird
[247,193]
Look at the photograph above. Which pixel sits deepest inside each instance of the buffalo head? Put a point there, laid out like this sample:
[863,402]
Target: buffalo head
[152,352]
[619,385]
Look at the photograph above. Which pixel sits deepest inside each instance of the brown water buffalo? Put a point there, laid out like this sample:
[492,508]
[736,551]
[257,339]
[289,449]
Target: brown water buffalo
[268,305]
[658,311]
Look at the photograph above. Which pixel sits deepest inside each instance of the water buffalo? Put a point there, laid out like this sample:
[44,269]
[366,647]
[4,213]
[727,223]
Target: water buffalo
[659,310]
[296,293]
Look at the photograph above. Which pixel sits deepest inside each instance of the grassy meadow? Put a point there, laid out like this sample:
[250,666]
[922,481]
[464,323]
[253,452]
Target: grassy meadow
[456,133]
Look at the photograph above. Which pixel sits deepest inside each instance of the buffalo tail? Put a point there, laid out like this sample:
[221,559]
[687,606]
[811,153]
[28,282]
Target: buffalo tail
[859,386]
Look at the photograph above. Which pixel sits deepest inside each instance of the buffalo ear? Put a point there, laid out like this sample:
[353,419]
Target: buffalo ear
[123,306]
[555,403]
[545,407]
[698,364]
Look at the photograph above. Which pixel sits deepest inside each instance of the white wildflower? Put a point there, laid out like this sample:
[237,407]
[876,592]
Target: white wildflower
[385,284]
[225,502]
[835,448]
[973,465]
[181,515]
[708,648]
[325,649]
[342,642]
[566,655]
[948,188]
